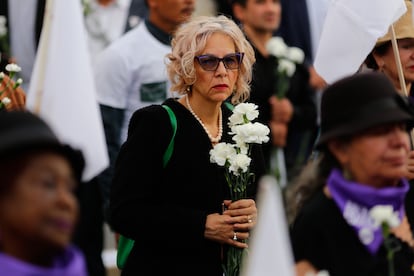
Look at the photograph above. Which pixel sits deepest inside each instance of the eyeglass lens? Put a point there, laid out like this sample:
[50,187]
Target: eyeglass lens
[211,63]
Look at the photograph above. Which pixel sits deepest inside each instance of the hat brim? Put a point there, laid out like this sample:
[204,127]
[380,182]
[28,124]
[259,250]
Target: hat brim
[353,127]
[19,141]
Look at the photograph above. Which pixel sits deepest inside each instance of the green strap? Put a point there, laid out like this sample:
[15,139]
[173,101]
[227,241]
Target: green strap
[125,245]
[170,148]
[229,105]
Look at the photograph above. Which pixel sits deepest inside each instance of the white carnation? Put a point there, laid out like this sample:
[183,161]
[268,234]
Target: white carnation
[242,111]
[286,66]
[295,54]
[276,47]
[239,163]
[384,214]
[6,100]
[221,153]
[251,133]
[13,67]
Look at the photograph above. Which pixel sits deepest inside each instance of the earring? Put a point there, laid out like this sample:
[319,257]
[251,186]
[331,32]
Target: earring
[188,89]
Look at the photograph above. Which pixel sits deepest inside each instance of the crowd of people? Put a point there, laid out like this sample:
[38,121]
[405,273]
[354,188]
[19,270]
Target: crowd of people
[167,85]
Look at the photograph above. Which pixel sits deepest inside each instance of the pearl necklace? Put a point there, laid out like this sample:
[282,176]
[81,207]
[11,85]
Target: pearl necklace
[220,124]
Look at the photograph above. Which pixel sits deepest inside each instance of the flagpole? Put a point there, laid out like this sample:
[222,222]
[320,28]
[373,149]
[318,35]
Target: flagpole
[400,72]
[398,61]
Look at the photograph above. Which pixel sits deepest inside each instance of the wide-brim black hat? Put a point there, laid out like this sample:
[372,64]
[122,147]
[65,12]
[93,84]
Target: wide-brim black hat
[359,102]
[22,131]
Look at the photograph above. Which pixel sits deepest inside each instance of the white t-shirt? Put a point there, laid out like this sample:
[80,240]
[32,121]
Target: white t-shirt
[131,73]
[104,24]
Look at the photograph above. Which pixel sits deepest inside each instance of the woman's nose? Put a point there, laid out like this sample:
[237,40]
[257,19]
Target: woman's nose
[221,69]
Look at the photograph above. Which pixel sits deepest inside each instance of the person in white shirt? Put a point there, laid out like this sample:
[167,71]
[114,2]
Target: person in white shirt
[107,20]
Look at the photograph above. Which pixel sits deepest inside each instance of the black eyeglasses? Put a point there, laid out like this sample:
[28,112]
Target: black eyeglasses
[211,63]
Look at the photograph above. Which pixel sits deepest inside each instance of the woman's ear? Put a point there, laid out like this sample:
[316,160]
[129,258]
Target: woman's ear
[339,149]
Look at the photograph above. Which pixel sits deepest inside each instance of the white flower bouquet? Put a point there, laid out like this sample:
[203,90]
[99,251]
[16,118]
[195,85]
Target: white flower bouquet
[287,57]
[236,160]
[9,85]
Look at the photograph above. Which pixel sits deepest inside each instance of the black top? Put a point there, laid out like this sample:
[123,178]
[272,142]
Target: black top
[322,236]
[303,123]
[165,210]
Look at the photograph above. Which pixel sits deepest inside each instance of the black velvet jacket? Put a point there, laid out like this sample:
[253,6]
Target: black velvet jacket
[165,210]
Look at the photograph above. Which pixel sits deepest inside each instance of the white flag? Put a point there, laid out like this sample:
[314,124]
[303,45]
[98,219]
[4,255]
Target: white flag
[62,89]
[269,250]
[349,34]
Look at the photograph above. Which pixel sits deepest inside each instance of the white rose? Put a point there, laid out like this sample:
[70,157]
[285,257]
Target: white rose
[239,163]
[286,66]
[295,54]
[384,214]
[221,153]
[276,47]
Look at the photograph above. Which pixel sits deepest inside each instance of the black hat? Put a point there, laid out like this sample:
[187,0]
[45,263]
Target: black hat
[358,102]
[21,131]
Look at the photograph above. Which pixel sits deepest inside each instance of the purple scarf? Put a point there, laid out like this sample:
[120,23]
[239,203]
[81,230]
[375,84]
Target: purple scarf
[69,263]
[355,200]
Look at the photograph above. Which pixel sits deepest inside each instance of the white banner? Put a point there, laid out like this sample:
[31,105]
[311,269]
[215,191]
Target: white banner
[350,32]
[62,89]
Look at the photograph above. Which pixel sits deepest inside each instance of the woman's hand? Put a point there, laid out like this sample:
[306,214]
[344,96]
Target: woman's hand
[279,133]
[281,109]
[233,226]
[304,268]
[220,229]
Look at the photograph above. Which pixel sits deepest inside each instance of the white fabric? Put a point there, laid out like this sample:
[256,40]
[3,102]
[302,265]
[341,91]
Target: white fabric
[22,17]
[317,10]
[270,252]
[63,90]
[349,34]
[122,69]
[105,24]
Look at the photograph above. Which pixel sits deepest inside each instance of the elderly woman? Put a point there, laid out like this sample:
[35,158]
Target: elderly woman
[364,147]
[174,212]
[38,207]
[382,57]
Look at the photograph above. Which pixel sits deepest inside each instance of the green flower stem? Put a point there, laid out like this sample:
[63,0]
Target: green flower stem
[282,86]
[234,259]
[390,249]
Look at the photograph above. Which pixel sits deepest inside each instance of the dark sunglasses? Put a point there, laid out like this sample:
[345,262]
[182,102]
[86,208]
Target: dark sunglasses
[211,63]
